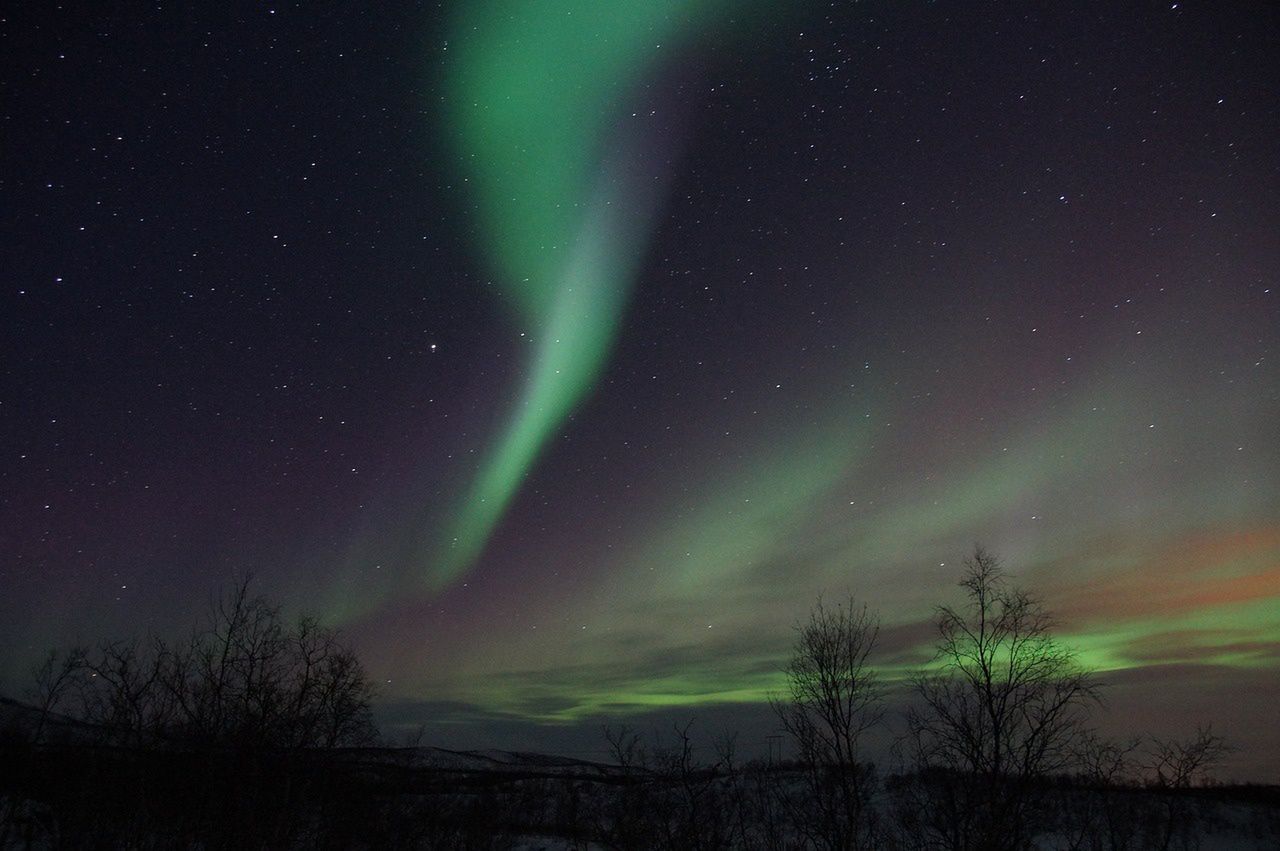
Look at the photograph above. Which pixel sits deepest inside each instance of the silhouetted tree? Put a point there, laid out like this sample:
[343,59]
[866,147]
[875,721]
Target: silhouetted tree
[1105,813]
[833,697]
[242,678]
[1001,708]
[627,818]
[51,681]
[206,742]
[665,799]
[247,678]
[1174,766]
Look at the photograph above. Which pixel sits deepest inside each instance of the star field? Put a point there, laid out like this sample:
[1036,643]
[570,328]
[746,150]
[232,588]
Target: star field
[563,352]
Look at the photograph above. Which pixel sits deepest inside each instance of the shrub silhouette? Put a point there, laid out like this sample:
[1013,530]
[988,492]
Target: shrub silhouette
[211,741]
[243,678]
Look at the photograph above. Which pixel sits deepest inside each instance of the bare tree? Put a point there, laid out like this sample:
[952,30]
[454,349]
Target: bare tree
[1001,708]
[51,682]
[121,694]
[246,678]
[626,748]
[833,697]
[240,706]
[1182,763]
[692,811]
[1174,766]
[665,798]
[1104,812]
[627,819]
[243,678]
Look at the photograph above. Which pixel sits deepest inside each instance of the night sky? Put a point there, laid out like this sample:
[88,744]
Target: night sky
[562,351]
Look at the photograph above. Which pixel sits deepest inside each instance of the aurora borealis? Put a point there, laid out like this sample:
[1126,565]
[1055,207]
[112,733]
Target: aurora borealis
[566,184]
[564,352]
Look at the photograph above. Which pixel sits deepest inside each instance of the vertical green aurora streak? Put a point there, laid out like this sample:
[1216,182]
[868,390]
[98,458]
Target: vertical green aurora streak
[564,195]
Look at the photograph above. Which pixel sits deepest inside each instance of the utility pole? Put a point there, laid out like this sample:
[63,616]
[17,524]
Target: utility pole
[775,748]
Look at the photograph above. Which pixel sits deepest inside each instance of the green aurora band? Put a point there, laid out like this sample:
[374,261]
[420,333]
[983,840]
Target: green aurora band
[565,192]
[701,597]
[1091,504]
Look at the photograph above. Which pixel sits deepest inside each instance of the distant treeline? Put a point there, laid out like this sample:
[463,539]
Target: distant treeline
[254,733]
